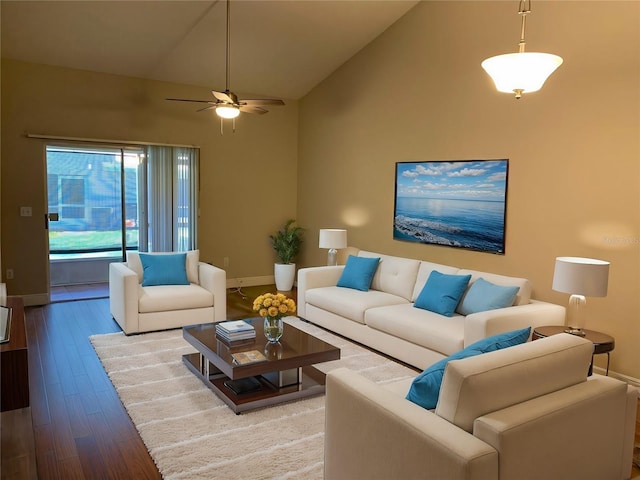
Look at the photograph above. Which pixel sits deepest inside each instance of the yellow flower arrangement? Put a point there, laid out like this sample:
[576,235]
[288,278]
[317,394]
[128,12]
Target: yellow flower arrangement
[274,305]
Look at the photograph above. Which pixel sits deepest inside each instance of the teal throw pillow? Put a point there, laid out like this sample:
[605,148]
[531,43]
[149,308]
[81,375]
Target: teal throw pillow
[442,293]
[425,388]
[485,295]
[170,269]
[358,273]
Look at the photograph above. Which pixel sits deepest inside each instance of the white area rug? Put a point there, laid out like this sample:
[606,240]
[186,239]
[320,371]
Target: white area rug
[191,434]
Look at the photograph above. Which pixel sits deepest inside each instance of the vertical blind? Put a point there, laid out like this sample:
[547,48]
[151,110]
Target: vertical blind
[172,198]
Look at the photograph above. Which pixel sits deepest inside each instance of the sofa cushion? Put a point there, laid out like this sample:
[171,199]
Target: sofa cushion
[421,327]
[395,275]
[358,273]
[483,296]
[164,269]
[476,386]
[193,259]
[425,388]
[523,297]
[350,303]
[423,274]
[442,293]
[162,298]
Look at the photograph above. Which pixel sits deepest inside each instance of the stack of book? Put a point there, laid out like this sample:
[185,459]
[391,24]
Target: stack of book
[235,330]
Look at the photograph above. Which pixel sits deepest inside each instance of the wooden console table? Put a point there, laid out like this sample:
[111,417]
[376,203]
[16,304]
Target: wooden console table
[14,361]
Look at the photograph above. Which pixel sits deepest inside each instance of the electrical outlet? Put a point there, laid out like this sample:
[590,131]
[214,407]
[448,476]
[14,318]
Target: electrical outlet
[25,211]
[225,262]
[9,273]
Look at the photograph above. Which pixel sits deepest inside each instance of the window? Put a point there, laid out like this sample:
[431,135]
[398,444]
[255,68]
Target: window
[109,200]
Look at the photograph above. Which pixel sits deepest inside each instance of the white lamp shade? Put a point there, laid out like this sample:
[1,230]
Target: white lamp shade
[333,238]
[227,111]
[581,276]
[526,71]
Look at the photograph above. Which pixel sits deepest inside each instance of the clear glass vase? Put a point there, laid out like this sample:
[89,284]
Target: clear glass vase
[273,328]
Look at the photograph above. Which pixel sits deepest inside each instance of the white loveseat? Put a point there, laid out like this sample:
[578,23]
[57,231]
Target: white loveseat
[527,412]
[384,318]
[160,307]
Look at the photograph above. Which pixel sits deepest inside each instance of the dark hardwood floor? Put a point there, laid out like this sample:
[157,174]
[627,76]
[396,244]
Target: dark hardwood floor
[80,428]
[76,426]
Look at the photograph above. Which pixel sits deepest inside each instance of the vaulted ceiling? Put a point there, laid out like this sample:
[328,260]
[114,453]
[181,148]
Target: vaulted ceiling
[278,48]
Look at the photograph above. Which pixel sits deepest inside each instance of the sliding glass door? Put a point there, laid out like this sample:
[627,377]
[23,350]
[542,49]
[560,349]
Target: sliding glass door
[103,201]
[93,210]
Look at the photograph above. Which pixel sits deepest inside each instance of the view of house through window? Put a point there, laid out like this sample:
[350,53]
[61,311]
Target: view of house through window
[87,210]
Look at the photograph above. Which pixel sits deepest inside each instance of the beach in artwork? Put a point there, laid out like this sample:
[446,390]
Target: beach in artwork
[458,204]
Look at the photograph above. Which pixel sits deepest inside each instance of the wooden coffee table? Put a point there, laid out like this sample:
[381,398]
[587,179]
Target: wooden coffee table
[286,373]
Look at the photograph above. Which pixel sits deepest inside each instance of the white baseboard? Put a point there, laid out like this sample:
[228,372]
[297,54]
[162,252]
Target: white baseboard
[635,382]
[35,299]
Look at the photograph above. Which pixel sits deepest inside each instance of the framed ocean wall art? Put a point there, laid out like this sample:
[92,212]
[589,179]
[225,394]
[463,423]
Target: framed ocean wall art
[459,204]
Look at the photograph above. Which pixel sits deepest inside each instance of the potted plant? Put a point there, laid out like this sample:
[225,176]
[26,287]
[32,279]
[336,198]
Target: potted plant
[286,242]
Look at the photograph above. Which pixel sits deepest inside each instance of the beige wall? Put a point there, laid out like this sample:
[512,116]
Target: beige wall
[248,179]
[418,93]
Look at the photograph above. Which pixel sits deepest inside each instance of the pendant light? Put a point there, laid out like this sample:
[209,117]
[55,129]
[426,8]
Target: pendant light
[521,72]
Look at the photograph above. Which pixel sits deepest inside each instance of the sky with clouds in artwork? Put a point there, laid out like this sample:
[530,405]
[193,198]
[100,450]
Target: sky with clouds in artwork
[469,180]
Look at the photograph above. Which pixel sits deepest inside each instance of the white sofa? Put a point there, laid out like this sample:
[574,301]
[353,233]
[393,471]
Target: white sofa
[527,412]
[385,319]
[160,307]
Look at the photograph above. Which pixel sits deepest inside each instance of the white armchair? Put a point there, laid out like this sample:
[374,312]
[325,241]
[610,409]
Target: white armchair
[139,308]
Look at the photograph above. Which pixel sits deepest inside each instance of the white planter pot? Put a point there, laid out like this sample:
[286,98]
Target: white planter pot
[285,274]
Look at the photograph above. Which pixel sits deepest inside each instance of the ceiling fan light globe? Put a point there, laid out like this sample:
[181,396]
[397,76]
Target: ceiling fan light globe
[524,71]
[227,111]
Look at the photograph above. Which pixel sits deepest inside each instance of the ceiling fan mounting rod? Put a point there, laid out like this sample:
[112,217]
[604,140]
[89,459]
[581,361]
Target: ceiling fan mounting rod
[228,60]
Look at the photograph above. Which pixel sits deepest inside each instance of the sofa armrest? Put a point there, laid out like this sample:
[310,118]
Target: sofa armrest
[535,314]
[575,432]
[373,433]
[315,277]
[214,279]
[123,296]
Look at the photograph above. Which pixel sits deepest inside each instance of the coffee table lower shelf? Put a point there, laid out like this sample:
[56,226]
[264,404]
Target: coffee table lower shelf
[312,382]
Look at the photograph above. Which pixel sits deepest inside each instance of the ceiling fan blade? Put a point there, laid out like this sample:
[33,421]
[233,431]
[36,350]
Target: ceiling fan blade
[261,101]
[223,96]
[188,100]
[206,108]
[252,109]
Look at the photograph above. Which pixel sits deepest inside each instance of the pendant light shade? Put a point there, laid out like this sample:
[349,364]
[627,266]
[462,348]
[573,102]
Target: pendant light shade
[521,72]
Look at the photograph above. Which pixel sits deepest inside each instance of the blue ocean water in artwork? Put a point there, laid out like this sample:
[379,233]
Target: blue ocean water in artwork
[473,224]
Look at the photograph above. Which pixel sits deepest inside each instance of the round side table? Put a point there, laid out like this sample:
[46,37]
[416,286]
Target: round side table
[602,343]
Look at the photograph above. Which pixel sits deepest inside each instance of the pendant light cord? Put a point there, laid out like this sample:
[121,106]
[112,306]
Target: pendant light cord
[524,8]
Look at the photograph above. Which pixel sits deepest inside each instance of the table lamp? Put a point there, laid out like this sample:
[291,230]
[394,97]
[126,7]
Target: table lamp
[580,277]
[332,238]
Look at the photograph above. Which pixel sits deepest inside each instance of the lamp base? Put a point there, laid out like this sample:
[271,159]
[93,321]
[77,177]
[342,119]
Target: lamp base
[575,331]
[332,257]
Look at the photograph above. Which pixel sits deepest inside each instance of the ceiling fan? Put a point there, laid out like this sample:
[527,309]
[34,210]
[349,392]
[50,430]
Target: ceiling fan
[227,104]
